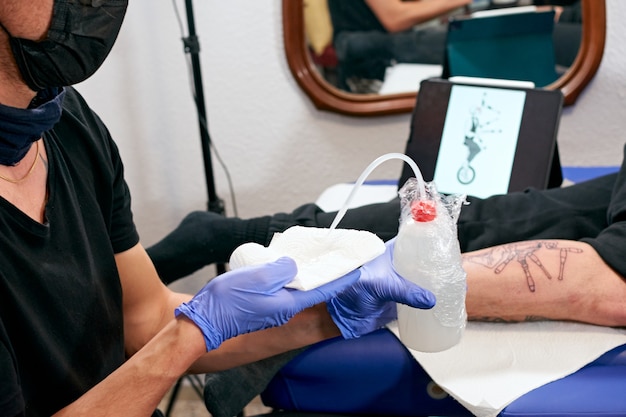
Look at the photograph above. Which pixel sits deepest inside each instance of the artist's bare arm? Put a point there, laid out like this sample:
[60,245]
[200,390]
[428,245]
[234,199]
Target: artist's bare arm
[397,15]
[308,327]
[162,348]
[544,280]
[149,306]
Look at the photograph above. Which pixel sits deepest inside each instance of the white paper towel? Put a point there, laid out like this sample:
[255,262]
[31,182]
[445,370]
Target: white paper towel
[320,254]
[496,363]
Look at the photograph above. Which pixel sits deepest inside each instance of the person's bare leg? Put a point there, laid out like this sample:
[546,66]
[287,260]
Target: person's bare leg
[544,280]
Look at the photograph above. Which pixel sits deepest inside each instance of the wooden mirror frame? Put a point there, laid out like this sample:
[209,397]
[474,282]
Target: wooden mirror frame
[327,97]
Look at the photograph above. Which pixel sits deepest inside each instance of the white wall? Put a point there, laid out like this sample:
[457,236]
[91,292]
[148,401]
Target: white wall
[280,151]
[592,131]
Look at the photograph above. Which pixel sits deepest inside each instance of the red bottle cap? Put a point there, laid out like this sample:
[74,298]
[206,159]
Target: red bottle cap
[423,210]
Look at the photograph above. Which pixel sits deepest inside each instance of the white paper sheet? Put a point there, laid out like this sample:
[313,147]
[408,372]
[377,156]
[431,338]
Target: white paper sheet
[496,363]
[406,78]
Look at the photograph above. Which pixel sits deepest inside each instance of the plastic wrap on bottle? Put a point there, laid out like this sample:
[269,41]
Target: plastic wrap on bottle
[427,253]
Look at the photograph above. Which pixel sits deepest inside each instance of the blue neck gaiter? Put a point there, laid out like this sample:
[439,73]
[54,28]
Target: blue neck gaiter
[19,128]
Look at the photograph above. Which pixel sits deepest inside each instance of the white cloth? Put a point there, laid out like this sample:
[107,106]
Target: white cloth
[496,363]
[321,255]
[406,78]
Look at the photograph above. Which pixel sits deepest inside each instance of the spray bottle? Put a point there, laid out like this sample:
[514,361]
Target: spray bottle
[427,253]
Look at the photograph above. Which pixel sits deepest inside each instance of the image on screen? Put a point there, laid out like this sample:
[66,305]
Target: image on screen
[479,140]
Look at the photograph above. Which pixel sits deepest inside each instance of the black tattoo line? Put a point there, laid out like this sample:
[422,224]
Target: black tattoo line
[498,258]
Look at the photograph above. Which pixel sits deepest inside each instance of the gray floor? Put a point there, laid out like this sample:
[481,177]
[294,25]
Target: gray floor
[189,404]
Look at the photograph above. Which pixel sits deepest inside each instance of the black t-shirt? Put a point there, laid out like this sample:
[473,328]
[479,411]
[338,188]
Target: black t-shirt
[61,328]
[353,16]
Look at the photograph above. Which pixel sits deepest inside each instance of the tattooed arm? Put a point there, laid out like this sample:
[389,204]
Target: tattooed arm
[544,280]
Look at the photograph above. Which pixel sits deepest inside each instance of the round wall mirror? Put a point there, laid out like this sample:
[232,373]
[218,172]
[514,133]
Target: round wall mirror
[327,97]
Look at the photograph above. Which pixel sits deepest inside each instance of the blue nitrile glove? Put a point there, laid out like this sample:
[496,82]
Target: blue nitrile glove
[254,298]
[371,302]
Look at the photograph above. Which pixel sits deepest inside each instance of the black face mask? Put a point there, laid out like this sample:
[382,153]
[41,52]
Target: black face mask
[81,35]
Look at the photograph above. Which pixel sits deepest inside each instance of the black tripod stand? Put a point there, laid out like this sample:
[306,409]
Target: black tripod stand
[192,47]
[215,204]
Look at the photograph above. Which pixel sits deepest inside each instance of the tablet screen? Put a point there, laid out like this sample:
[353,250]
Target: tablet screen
[483,140]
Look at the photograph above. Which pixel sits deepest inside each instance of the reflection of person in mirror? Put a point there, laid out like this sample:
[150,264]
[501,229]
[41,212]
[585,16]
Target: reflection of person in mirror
[371,35]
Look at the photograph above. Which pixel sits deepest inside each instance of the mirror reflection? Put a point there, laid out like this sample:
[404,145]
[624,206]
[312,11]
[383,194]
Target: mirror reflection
[387,46]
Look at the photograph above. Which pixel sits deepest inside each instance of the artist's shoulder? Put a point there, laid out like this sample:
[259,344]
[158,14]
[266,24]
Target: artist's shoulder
[78,113]
[73,100]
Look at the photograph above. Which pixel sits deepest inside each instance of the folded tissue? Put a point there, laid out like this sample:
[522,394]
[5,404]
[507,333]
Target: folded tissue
[321,254]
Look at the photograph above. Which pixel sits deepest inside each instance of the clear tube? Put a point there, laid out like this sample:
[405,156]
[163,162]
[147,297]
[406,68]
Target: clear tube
[371,167]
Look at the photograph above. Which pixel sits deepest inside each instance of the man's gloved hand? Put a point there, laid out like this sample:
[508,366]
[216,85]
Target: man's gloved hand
[254,298]
[371,302]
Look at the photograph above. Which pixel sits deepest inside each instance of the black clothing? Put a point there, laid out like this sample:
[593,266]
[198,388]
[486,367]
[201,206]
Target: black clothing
[353,16]
[61,327]
[573,212]
[593,211]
